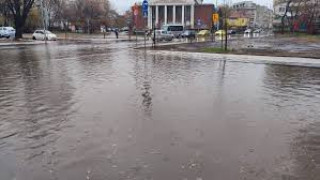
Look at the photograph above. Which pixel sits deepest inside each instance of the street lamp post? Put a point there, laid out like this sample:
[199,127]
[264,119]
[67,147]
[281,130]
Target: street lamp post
[154,29]
[45,17]
[226,26]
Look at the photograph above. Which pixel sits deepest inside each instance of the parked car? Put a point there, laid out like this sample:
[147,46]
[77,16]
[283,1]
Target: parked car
[176,30]
[188,34]
[42,35]
[162,35]
[204,33]
[220,33]
[231,31]
[79,30]
[257,31]
[124,29]
[7,32]
[248,31]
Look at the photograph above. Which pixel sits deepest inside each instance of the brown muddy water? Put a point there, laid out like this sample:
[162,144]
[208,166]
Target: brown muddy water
[106,111]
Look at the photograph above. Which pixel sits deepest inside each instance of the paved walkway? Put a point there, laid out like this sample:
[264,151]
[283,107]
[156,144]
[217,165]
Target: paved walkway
[20,43]
[292,61]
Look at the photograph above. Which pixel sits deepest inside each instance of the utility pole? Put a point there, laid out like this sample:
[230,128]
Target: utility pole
[45,17]
[226,26]
[145,6]
[154,28]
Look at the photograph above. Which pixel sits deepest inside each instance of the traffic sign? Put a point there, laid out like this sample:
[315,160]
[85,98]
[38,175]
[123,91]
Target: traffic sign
[145,14]
[199,22]
[215,17]
[145,8]
[135,9]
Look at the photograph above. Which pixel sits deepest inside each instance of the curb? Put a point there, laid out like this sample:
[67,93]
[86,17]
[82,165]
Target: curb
[20,44]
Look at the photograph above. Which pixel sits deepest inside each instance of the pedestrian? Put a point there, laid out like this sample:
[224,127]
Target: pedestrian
[117,34]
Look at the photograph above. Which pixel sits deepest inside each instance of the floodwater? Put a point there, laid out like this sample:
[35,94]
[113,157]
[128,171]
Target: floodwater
[106,111]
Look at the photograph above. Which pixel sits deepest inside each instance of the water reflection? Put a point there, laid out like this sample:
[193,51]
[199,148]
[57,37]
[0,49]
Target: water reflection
[295,95]
[305,150]
[293,82]
[41,101]
[143,78]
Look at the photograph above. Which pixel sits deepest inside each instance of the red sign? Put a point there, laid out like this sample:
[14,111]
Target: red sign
[135,9]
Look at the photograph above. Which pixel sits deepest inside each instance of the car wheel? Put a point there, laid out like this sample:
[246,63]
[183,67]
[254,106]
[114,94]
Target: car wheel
[34,38]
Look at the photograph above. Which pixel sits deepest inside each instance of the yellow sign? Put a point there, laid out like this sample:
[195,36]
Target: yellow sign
[215,17]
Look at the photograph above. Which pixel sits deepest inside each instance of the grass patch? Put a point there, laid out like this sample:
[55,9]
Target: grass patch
[215,50]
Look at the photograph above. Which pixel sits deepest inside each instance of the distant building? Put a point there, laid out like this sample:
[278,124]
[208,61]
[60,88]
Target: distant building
[251,15]
[188,13]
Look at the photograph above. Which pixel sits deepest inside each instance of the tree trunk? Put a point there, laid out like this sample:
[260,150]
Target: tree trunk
[19,28]
[19,23]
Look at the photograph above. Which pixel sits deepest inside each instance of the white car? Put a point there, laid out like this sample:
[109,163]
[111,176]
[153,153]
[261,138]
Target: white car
[42,35]
[7,32]
[257,31]
[162,35]
[248,31]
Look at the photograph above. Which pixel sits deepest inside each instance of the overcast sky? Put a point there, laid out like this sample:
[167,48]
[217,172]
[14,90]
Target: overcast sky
[123,5]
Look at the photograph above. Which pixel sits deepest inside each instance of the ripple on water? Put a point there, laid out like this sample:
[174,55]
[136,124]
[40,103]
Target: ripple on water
[97,112]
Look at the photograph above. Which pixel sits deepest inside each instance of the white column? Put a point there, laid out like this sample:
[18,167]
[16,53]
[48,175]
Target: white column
[182,15]
[157,16]
[173,14]
[165,15]
[192,16]
[149,17]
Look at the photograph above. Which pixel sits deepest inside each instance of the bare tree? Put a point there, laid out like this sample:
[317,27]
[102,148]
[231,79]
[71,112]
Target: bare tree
[300,10]
[19,10]
[311,12]
[90,14]
[4,12]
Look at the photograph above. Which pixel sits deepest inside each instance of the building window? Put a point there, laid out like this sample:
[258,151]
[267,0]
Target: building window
[187,15]
[169,14]
[161,16]
[178,14]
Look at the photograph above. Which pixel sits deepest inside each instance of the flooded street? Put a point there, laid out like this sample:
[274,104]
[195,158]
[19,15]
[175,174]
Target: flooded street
[95,111]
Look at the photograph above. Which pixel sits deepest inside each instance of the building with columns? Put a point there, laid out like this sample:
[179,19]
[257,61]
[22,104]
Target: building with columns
[189,13]
[171,12]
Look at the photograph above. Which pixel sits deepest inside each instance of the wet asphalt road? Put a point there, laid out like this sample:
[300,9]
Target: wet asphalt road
[72,111]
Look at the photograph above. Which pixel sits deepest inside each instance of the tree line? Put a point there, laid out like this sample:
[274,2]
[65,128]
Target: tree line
[87,15]
[306,12]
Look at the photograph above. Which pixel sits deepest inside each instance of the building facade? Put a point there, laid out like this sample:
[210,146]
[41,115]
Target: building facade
[251,15]
[188,13]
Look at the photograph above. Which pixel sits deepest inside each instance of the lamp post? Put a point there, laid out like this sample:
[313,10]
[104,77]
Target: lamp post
[154,28]
[45,17]
[226,26]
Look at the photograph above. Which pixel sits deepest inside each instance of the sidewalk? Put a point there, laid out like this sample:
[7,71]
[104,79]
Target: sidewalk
[266,46]
[89,37]
[291,61]
[27,39]
[19,43]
